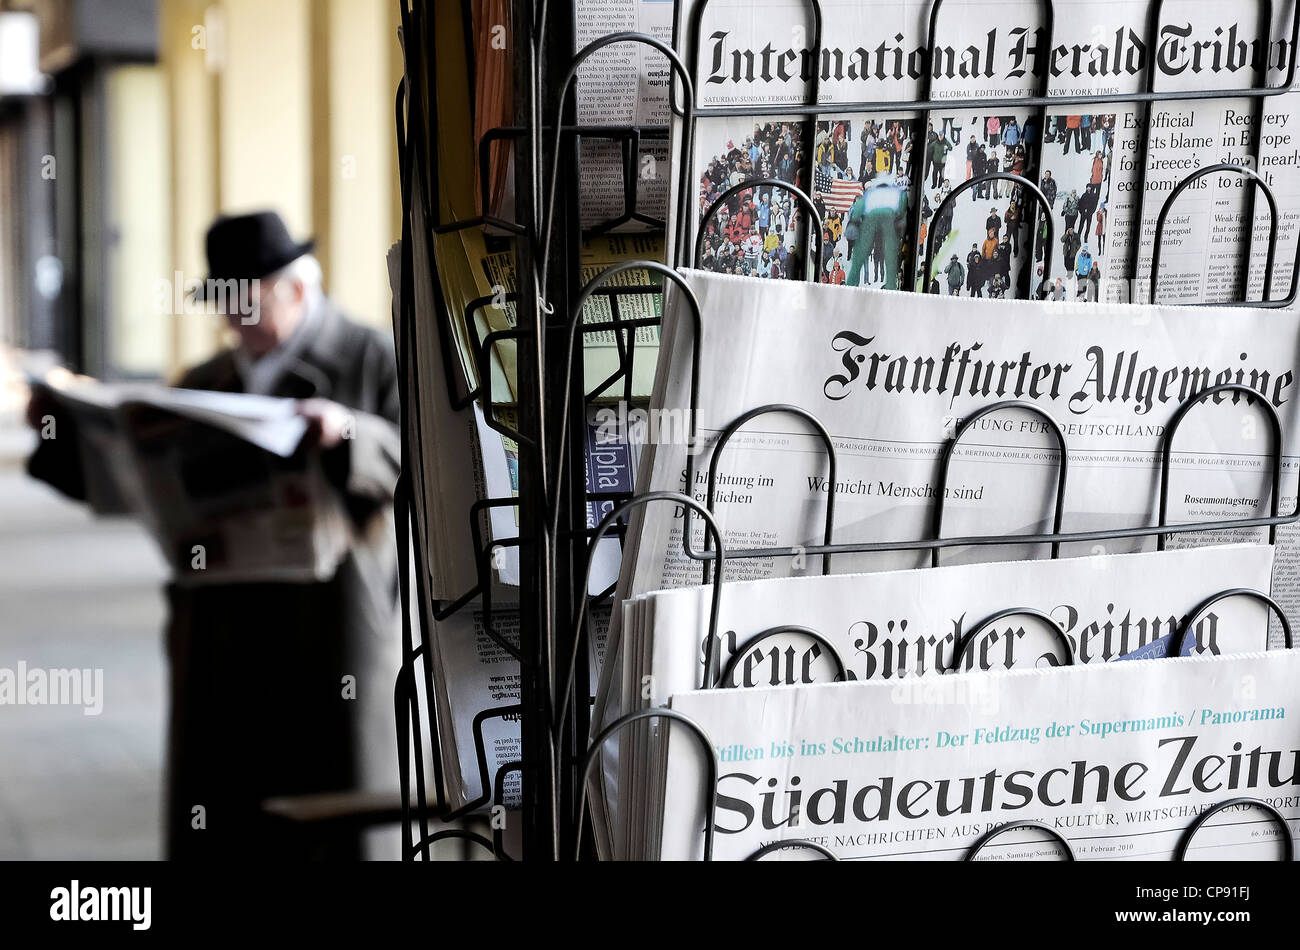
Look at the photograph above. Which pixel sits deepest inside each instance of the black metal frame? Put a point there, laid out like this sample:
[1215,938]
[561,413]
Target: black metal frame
[554,538]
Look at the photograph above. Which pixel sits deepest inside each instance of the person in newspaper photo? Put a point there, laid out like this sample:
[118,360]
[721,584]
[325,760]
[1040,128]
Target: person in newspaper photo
[260,706]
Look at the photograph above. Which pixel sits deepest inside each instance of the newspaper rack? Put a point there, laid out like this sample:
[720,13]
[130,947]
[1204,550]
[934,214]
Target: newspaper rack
[555,537]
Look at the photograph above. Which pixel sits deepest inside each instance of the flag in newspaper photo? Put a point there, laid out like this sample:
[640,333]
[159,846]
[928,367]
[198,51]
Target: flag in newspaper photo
[837,194]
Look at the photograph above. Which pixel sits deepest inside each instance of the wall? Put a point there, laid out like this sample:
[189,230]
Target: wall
[285,105]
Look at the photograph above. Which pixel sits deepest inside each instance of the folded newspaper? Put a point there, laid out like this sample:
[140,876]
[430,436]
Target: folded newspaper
[462,456]
[476,275]
[908,624]
[217,478]
[476,678]
[881,178]
[891,376]
[1118,759]
[621,84]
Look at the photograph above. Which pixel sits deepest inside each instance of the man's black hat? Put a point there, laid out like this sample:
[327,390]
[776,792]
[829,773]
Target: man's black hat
[250,246]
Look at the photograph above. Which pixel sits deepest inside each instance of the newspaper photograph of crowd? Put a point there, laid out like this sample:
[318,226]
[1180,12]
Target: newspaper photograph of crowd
[754,232]
[1076,183]
[983,236]
[980,234]
[860,190]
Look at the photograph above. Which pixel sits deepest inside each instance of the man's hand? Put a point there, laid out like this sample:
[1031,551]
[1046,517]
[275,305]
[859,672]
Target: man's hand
[328,422]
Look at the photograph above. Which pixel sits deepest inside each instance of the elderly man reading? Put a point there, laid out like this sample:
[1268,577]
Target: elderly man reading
[264,674]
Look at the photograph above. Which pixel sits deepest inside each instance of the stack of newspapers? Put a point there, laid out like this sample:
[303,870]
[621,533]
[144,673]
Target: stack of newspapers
[1118,762]
[893,378]
[909,627]
[461,383]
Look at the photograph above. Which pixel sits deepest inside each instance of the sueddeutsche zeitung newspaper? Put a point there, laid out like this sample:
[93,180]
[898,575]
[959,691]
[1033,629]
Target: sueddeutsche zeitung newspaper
[1118,759]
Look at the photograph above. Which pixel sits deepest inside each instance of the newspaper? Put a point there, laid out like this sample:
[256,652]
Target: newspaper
[898,624]
[880,180]
[905,624]
[1119,759]
[610,462]
[477,276]
[1209,251]
[441,441]
[474,674]
[264,421]
[865,164]
[620,85]
[458,458]
[623,84]
[217,478]
[891,377]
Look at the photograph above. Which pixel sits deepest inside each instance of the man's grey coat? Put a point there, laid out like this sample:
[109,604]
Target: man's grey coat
[264,675]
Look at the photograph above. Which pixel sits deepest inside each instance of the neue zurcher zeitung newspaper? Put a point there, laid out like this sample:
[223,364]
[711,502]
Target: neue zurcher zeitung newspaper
[908,623]
[891,375]
[900,625]
[881,177]
[1119,759]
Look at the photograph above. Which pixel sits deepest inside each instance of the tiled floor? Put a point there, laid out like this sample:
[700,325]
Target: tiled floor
[76,592]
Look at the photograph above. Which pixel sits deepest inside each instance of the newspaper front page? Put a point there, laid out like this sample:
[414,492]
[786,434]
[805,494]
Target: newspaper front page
[921,623]
[623,84]
[900,624]
[1118,759]
[881,178]
[891,377]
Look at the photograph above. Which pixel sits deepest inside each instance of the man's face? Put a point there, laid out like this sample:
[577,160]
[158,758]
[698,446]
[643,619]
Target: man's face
[270,313]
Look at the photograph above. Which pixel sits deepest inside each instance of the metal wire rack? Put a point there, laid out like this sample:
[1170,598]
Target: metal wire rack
[556,534]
